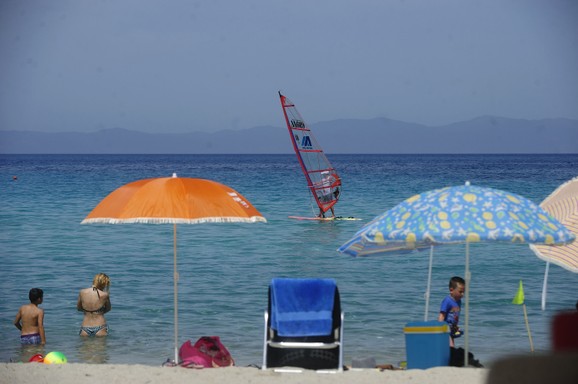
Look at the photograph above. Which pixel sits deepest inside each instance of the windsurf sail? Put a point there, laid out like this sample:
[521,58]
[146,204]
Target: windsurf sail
[322,179]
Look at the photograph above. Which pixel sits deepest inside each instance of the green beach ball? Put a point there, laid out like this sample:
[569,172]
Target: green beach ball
[55,357]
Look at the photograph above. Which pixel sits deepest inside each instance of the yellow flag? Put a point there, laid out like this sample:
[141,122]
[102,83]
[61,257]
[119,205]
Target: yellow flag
[519,298]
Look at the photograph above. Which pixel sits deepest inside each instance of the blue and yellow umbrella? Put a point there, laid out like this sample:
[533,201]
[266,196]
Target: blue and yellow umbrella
[461,214]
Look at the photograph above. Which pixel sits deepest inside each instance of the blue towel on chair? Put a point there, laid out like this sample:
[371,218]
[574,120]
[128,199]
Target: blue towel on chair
[302,307]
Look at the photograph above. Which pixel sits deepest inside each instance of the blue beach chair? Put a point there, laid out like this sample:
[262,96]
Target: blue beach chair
[303,325]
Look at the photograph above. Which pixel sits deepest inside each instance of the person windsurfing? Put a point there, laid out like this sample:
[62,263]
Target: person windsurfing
[322,180]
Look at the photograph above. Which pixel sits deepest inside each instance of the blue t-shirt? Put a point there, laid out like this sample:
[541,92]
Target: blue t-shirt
[451,310]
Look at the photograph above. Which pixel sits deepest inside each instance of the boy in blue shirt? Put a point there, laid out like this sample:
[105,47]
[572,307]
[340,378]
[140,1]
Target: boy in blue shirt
[451,307]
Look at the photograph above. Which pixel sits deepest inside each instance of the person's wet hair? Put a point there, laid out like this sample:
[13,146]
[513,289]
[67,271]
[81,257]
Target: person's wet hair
[35,294]
[101,281]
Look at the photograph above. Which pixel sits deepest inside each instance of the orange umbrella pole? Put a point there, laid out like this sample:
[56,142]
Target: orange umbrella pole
[175,287]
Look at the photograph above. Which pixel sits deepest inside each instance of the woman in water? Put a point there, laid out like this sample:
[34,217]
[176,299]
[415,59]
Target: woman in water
[95,302]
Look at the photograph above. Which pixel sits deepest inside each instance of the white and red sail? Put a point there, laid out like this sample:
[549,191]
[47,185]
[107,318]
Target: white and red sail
[322,179]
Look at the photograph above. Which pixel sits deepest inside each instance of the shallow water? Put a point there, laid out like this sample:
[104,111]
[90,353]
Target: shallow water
[225,268]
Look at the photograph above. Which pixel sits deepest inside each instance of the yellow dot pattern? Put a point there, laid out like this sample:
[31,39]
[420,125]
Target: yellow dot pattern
[467,213]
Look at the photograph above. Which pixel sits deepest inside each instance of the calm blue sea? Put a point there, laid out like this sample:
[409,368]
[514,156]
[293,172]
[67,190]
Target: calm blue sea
[225,268]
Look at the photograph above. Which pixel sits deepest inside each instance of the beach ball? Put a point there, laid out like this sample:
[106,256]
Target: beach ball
[38,358]
[55,357]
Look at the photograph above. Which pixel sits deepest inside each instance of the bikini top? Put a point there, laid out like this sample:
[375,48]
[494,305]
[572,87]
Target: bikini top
[99,310]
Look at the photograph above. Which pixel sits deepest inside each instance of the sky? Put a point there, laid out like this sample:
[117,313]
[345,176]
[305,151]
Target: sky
[172,66]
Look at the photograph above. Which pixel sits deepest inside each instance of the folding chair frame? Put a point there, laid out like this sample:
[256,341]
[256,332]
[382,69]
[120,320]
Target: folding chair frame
[270,340]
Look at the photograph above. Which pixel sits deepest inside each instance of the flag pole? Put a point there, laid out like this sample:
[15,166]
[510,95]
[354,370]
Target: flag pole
[519,299]
[528,328]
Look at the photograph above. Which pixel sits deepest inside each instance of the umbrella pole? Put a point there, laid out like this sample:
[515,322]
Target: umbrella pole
[468,278]
[175,287]
[545,286]
[427,291]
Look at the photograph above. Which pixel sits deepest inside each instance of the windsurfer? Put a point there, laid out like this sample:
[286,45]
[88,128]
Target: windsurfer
[322,180]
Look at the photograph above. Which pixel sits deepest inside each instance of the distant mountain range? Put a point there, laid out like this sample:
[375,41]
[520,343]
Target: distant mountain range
[483,135]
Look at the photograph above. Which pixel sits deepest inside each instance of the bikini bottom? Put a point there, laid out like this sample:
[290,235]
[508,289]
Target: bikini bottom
[92,331]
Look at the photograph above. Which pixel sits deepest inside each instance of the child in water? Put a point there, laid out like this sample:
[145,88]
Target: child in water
[30,319]
[451,307]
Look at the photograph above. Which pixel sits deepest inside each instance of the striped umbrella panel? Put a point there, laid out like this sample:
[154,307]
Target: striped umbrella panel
[563,205]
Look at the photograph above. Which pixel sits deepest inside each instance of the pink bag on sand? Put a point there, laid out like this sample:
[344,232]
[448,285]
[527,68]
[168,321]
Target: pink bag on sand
[208,352]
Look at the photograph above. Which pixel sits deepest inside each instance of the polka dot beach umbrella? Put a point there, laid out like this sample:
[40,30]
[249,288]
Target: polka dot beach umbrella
[174,200]
[461,214]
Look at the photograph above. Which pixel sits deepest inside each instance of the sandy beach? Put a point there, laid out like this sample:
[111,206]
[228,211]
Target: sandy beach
[559,368]
[33,373]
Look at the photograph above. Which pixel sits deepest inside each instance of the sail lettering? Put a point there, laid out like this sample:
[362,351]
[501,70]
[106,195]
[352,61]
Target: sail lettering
[297,123]
[306,142]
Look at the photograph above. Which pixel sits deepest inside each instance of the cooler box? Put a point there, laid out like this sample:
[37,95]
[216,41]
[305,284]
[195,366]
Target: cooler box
[427,344]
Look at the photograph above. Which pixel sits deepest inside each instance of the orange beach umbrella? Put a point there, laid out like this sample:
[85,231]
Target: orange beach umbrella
[174,200]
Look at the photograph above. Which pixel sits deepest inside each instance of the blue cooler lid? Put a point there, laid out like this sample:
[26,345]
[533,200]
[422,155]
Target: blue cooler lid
[432,326]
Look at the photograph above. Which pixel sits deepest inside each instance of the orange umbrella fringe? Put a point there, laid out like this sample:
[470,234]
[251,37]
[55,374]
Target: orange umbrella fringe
[168,220]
